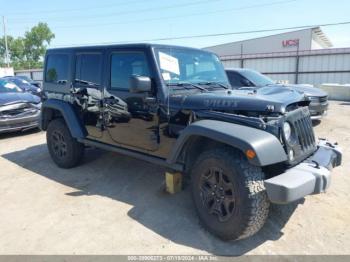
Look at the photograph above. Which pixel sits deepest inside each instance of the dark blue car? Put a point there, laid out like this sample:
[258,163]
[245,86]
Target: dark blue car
[25,85]
[28,79]
[19,110]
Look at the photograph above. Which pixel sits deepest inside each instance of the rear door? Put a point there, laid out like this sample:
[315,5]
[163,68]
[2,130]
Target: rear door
[87,86]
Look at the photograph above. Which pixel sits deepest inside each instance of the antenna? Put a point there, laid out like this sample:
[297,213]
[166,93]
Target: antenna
[168,87]
[168,90]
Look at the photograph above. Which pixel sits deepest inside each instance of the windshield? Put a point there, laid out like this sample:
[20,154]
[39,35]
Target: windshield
[26,78]
[190,66]
[20,82]
[256,78]
[8,87]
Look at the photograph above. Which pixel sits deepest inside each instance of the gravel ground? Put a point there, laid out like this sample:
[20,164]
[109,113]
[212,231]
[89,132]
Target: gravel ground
[114,204]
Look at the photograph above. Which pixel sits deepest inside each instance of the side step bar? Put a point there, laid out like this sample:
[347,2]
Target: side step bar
[151,159]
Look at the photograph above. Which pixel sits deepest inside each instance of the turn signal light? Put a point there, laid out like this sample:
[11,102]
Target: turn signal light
[250,154]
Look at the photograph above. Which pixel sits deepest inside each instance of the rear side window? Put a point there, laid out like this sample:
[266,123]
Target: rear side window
[88,69]
[126,64]
[57,69]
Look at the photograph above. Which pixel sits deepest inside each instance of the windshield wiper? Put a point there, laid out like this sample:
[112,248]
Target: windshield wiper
[213,83]
[184,84]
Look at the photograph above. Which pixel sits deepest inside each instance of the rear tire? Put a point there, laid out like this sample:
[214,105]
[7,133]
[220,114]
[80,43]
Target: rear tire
[229,194]
[65,150]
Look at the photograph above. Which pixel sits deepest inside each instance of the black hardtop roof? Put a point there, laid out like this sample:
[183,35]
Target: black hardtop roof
[239,69]
[136,45]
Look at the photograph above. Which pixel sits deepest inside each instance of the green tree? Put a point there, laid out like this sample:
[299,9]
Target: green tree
[2,48]
[28,51]
[36,41]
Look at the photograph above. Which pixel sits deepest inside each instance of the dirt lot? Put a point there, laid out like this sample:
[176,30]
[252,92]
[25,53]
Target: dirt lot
[113,204]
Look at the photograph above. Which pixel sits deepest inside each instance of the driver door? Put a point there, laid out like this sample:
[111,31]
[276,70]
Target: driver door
[132,117]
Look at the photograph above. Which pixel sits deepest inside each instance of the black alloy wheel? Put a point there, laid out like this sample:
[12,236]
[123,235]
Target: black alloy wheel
[59,144]
[217,193]
[229,193]
[64,149]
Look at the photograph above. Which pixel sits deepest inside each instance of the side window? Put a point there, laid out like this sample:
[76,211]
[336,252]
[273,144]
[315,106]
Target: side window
[235,79]
[126,64]
[88,69]
[57,69]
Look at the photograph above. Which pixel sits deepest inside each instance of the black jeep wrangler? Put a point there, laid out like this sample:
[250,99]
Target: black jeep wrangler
[173,106]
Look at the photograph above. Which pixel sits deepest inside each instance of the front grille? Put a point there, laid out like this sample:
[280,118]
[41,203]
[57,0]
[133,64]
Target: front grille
[304,137]
[22,124]
[13,112]
[323,99]
[304,133]
[19,110]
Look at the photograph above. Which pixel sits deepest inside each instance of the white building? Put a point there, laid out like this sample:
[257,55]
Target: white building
[298,57]
[306,39]
[6,71]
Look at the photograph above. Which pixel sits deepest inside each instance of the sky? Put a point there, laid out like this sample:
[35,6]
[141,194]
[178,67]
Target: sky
[82,22]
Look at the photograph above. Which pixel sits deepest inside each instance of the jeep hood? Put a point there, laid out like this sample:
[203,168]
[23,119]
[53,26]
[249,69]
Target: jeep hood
[12,98]
[264,99]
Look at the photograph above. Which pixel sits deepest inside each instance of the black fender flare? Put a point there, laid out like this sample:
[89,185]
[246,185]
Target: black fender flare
[76,128]
[267,147]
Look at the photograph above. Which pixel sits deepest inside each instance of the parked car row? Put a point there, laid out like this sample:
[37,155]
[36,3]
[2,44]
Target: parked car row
[20,104]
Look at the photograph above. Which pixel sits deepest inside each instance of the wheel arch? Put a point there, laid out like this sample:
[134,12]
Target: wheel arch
[54,108]
[205,134]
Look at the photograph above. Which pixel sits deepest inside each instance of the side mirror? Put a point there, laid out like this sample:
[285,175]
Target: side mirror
[140,84]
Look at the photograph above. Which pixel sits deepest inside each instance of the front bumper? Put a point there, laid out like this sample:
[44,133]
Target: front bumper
[309,177]
[318,110]
[19,123]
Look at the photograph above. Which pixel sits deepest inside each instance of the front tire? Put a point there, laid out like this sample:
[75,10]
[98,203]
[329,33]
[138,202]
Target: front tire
[65,150]
[229,194]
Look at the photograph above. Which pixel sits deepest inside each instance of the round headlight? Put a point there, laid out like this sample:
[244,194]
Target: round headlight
[287,130]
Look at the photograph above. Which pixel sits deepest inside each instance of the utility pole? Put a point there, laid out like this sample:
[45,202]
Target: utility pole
[297,65]
[242,61]
[6,46]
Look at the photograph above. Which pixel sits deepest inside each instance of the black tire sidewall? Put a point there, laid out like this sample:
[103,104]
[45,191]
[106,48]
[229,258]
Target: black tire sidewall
[74,149]
[236,224]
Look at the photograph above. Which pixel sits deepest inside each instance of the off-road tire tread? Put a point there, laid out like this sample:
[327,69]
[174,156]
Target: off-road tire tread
[257,211]
[77,149]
